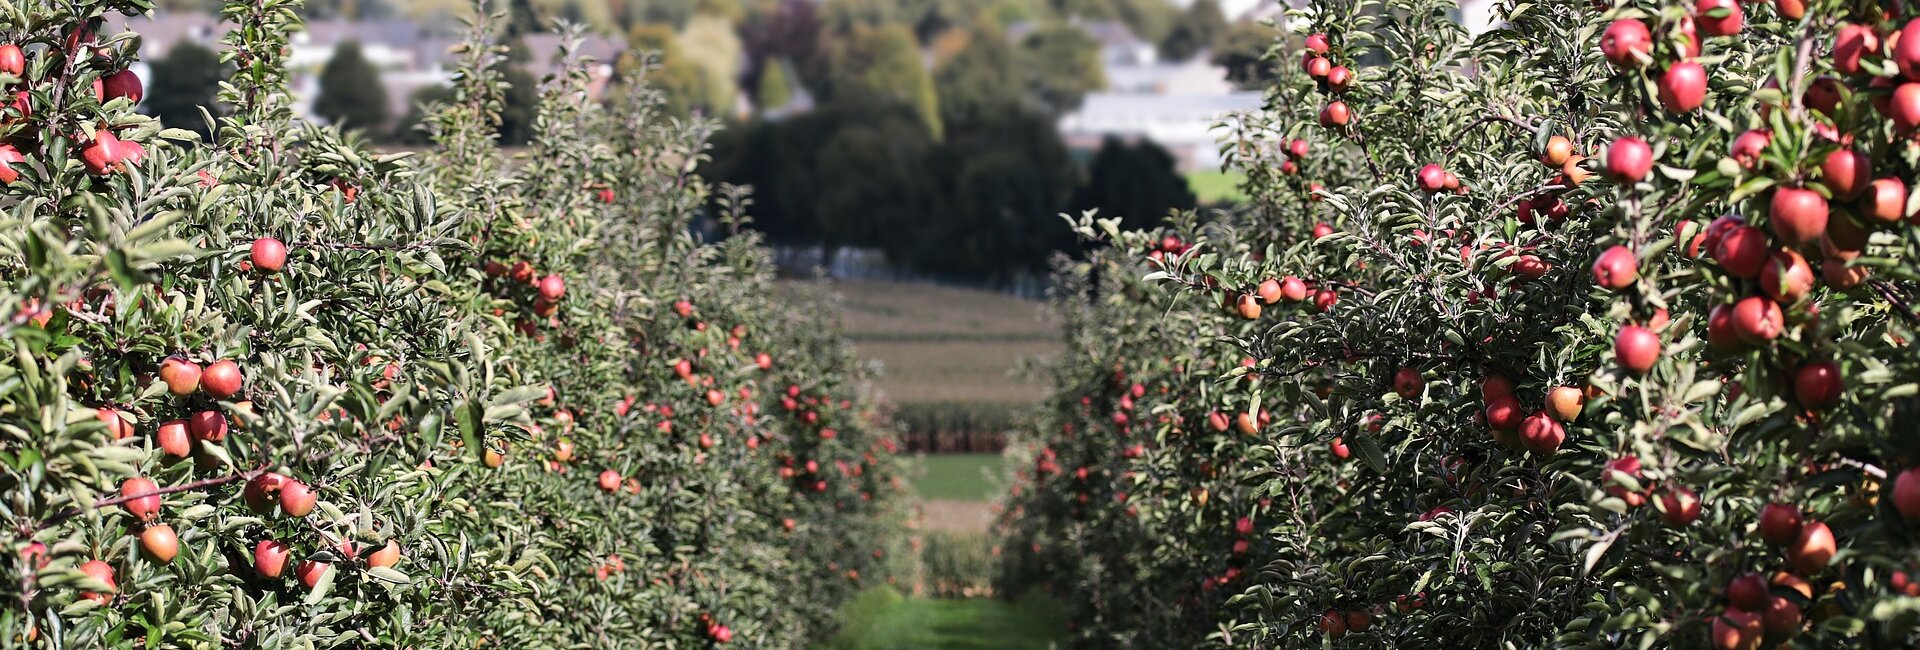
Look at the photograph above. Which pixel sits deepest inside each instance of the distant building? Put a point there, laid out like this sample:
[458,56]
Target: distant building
[410,54]
[1175,105]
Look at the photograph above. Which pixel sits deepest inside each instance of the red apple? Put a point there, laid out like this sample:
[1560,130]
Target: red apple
[181,376]
[296,499]
[1904,106]
[1798,215]
[270,558]
[210,426]
[1818,384]
[1324,299]
[609,480]
[222,379]
[1854,42]
[102,572]
[1340,450]
[173,438]
[1564,402]
[1432,178]
[262,491]
[1757,320]
[9,158]
[552,287]
[310,572]
[12,60]
[122,84]
[1629,160]
[1780,523]
[102,155]
[268,254]
[1734,629]
[1624,467]
[1887,200]
[1906,51]
[1749,592]
[1683,87]
[1726,25]
[144,508]
[1625,42]
[1741,251]
[1503,413]
[1408,383]
[1787,277]
[1336,115]
[1681,506]
[1813,550]
[1782,618]
[1541,434]
[1317,43]
[1637,348]
[1846,172]
[1616,268]
[160,543]
[387,556]
[1721,334]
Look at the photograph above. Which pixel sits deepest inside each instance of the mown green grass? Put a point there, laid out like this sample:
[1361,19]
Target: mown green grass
[1217,187]
[882,619]
[960,477]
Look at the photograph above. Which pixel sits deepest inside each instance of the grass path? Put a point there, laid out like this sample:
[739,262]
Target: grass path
[883,619]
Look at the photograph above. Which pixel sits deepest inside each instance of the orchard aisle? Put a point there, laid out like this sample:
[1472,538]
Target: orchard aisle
[883,619]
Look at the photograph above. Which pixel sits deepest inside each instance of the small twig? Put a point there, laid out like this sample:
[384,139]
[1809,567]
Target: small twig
[70,513]
[1899,304]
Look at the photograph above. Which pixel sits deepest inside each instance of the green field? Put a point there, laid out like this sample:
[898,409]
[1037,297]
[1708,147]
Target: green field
[883,619]
[960,477]
[1217,187]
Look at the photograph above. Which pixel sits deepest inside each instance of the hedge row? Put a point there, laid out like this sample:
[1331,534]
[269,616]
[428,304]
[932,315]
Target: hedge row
[1593,330]
[283,391]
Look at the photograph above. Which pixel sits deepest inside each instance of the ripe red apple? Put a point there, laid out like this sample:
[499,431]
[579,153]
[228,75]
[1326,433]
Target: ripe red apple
[173,438]
[1333,624]
[1336,115]
[1243,526]
[1629,160]
[1340,450]
[1749,592]
[1741,250]
[268,254]
[1296,148]
[1823,95]
[1432,178]
[160,543]
[1324,299]
[1721,334]
[9,157]
[1681,505]
[1321,230]
[1787,277]
[387,556]
[222,379]
[1726,25]
[102,572]
[1683,87]
[1798,215]
[1339,79]
[1904,107]
[102,155]
[1558,149]
[1906,50]
[1503,413]
[210,426]
[1887,200]
[12,60]
[1818,384]
[181,376]
[1906,494]
[1846,172]
[1623,467]
[1317,43]
[296,499]
[1541,434]
[1637,348]
[552,287]
[1564,402]
[1782,618]
[1734,629]
[609,480]
[1748,146]
[262,491]
[1531,267]
[1625,42]
[1813,550]
[1247,305]
[1408,383]
[122,84]
[1757,320]
[310,572]
[1780,523]
[1616,268]
[143,508]
[270,558]
[1293,289]
[1853,43]
[1317,67]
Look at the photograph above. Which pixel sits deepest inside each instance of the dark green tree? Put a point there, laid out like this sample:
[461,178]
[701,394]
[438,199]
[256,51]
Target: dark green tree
[880,65]
[184,82]
[407,131]
[973,82]
[351,93]
[1062,65]
[1240,48]
[1195,31]
[1002,180]
[1136,182]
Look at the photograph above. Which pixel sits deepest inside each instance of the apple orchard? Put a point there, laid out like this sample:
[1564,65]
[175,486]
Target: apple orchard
[1594,330]
[278,390]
